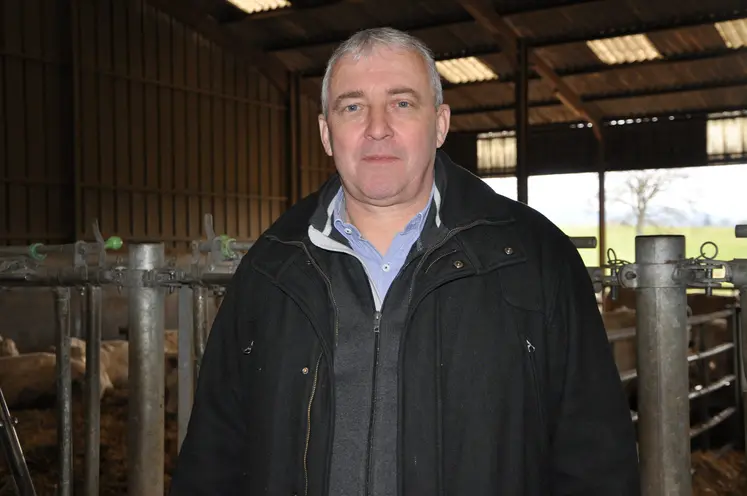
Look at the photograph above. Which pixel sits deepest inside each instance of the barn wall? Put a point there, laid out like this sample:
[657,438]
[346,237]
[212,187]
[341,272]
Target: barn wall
[111,110]
[35,150]
[171,127]
[315,165]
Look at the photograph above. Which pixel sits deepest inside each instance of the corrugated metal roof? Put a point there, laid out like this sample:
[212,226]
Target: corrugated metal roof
[697,69]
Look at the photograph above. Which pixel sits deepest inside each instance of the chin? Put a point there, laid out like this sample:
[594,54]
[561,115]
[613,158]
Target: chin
[380,192]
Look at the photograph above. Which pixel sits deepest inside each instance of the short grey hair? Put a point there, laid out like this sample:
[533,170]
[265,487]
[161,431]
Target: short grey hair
[364,41]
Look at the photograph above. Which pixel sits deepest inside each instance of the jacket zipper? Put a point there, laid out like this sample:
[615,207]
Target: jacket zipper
[535,383]
[371,423]
[328,283]
[311,399]
[308,426]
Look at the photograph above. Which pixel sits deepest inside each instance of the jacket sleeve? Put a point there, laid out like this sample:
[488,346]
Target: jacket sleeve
[210,460]
[593,441]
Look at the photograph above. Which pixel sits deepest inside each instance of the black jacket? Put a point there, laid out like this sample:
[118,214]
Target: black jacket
[506,380]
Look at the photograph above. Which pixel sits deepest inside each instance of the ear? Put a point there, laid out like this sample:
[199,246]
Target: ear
[324,134]
[443,120]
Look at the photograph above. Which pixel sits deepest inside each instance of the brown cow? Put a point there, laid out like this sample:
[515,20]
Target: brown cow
[30,380]
[8,347]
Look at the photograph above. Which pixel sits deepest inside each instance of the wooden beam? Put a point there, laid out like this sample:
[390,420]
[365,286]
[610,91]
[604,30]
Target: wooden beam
[507,37]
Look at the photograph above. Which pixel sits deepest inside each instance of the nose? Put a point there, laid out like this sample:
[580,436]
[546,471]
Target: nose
[378,127]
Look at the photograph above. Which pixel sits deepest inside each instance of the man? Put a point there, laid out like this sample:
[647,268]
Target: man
[405,330]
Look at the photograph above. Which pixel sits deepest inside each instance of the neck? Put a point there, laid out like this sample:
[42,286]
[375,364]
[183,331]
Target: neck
[379,225]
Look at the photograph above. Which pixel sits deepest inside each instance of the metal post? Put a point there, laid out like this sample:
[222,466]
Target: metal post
[11,448]
[739,386]
[145,461]
[186,363]
[522,120]
[741,366]
[64,392]
[661,318]
[93,390]
[199,295]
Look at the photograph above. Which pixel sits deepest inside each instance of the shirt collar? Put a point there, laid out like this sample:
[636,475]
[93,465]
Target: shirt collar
[416,223]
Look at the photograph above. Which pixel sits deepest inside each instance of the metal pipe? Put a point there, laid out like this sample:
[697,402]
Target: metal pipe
[64,392]
[13,451]
[93,390]
[521,88]
[741,425]
[199,296]
[62,277]
[584,241]
[145,461]
[742,352]
[705,381]
[186,363]
[663,389]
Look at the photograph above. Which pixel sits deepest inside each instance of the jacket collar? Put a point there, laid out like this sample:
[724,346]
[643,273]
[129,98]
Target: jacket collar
[464,200]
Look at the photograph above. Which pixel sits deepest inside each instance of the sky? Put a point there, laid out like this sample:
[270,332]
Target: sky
[718,192]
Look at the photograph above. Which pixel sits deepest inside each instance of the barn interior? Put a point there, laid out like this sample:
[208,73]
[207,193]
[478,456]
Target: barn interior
[166,122]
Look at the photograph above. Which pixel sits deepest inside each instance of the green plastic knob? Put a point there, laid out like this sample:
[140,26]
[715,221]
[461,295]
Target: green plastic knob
[113,243]
[225,249]
[34,253]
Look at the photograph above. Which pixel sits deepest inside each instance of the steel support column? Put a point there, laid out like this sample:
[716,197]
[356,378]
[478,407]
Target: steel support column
[741,365]
[664,406]
[522,120]
[293,186]
[145,460]
[93,390]
[64,392]
[185,364]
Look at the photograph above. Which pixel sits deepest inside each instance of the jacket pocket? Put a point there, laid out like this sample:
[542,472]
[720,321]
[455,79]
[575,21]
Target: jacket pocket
[531,352]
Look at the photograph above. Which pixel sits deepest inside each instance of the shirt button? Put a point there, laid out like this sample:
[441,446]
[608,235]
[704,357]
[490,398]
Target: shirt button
[385,267]
[348,230]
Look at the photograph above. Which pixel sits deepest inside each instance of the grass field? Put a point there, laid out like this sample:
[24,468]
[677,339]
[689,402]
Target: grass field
[622,239]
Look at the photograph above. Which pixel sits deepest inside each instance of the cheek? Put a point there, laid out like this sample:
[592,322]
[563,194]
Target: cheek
[344,139]
[419,141]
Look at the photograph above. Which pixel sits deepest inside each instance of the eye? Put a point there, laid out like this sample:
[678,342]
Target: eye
[403,104]
[351,108]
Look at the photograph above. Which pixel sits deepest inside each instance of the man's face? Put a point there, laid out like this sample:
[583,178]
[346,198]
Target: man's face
[382,126]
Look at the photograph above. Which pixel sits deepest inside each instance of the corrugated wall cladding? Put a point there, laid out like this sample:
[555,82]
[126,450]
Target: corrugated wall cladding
[315,165]
[35,149]
[113,110]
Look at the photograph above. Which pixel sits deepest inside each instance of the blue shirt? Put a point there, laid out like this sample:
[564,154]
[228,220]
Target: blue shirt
[382,269]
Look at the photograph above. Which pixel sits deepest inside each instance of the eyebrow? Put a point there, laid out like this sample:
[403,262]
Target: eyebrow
[404,90]
[346,96]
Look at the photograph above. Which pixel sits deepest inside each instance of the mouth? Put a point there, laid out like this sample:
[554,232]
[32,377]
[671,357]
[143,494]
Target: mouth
[379,159]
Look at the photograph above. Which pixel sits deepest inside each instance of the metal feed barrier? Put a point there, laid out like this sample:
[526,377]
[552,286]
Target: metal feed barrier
[660,277]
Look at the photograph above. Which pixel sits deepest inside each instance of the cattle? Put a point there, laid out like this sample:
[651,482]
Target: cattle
[77,349]
[114,361]
[29,380]
[8,347]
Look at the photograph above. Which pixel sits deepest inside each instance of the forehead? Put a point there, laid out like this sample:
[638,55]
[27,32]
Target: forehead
[380,67]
